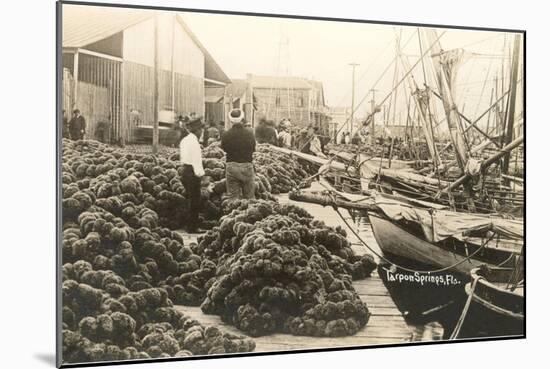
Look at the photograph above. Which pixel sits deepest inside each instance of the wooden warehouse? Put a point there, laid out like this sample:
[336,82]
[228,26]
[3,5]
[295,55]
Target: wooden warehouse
[237,95]
[108,67]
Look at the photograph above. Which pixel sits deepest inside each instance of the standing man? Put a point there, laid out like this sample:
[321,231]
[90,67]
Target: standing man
[77,126]
[65,127]
[221,127]
[304,142]
[193,171]
[213,133]
[315,147]
[239,144]
[285,138]
[265,132]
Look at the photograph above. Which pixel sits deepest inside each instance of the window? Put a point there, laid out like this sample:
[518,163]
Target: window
[277,100]
[301,102]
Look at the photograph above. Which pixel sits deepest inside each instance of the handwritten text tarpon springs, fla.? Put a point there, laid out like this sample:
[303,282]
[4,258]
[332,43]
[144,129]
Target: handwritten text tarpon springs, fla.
[421,279]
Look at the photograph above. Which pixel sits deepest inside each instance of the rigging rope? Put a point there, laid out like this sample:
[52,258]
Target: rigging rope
[396,86]
[462,318]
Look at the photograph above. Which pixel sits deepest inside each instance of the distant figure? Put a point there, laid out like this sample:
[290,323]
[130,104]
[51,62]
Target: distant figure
[65,127]
[347,138]
[304,142]
[357,139]
[265,132]
[221,127]
[212,133]
[343,138]
[239,144]
[322,138]
[103,129]
[77,126]
[285,138]
[314,142]
[193,171]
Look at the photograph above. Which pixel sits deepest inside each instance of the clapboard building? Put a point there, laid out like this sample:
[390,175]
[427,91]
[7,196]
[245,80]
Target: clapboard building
[300,99]
[108,67]
[236,95]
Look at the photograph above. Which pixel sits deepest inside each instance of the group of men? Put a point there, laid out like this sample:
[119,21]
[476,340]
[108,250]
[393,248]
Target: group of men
[238,143]
[75,129]
[307,141]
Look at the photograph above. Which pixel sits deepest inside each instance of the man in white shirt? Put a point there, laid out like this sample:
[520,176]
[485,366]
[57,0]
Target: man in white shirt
[193,171]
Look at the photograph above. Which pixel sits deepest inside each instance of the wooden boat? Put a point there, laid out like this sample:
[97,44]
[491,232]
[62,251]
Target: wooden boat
[395,240]
[498,304]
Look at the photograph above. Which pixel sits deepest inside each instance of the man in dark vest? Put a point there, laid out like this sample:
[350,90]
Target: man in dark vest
[77,126]
[239,144]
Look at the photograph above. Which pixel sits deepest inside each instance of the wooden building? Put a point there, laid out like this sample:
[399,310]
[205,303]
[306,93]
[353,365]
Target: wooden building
[299,99]
[108,67]
[237,95]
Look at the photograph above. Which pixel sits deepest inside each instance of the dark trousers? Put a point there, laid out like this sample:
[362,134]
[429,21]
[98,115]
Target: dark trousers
[76,135]
[192,185]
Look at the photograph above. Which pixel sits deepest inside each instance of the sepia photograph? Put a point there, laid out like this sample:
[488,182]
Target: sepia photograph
[235,184]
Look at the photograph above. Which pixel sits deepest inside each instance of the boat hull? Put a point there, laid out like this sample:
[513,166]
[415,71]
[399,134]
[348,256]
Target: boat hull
[394,240]
[495,311]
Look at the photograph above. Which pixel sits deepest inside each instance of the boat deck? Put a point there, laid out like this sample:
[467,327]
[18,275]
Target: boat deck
[385,326]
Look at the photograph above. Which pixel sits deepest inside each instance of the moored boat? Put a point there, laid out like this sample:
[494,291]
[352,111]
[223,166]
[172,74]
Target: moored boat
[443,239]
[395,240]
[497,301]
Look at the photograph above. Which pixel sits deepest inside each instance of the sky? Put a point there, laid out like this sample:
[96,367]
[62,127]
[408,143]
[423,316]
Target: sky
[322,50]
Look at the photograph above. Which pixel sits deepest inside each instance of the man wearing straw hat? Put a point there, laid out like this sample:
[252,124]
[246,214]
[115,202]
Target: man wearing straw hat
[239,144]
[193,171]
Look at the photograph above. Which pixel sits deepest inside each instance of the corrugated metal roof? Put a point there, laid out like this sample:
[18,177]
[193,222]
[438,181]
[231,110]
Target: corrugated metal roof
[279,82]
[83,24]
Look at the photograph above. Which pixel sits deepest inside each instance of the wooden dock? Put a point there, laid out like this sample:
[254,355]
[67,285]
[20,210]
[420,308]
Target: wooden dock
[385,326]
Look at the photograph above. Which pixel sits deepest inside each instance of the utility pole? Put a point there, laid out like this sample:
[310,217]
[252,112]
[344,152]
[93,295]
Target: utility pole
[172,73]
[351,119]
[373,114]
[156,90]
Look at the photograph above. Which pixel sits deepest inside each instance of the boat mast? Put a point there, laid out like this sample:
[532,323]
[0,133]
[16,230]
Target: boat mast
[509,134]
[421,104]
[443,71]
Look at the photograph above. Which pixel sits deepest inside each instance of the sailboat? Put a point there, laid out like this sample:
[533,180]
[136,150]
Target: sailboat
[438,224]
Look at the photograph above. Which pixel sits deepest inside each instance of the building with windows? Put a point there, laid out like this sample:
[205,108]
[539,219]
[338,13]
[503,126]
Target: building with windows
[299,99]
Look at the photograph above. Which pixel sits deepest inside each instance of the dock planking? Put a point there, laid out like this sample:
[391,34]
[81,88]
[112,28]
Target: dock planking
[386,324]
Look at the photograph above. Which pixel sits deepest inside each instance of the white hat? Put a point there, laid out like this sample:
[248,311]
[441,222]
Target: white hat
[236,116]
